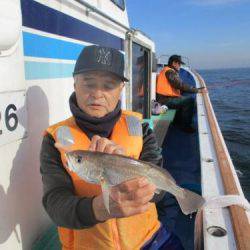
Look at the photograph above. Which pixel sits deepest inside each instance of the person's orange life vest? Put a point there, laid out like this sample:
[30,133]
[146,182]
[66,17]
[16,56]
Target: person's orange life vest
[122,233]
[163,86]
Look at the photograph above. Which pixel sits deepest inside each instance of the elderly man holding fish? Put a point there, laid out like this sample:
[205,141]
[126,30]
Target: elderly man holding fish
[107,203]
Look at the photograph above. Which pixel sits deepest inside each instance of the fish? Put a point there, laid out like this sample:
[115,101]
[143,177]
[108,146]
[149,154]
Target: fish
[109,170]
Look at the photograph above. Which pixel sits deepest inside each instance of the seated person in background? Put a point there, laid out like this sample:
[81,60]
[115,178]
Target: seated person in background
[99,124]
[168,92]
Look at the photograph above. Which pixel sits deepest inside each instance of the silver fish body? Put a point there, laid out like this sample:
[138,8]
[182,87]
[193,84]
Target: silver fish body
[94,167]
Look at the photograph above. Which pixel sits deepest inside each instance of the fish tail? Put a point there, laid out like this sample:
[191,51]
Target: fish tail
[190,202]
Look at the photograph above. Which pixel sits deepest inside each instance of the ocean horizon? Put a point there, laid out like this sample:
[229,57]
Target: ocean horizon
[226,68]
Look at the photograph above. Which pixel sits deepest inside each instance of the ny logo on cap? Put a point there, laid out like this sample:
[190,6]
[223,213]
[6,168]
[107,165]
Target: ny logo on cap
[103,56]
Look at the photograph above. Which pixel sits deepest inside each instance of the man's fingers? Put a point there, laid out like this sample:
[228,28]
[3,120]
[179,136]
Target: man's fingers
[110,148]
[140,194]
[114,149]
[116,195]
[92,146]
[101,144]
[132,185]
[119,202]
[142,200]
[121,192]
[124,204]
[124,200]
[137,210]
[119,150]
[136,198]
[203,90]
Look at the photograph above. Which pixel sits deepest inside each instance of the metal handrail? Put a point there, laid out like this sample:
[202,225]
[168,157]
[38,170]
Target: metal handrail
[239,217]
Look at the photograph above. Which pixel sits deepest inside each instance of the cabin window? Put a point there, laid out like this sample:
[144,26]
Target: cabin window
[140,80]
[154,62]
[119,3]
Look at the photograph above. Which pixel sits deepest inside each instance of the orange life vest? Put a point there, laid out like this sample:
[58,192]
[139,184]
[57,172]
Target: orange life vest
[122,233]
[164,87]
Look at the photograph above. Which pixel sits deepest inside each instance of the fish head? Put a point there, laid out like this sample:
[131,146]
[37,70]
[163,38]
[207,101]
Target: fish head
[84,165]
[75,160]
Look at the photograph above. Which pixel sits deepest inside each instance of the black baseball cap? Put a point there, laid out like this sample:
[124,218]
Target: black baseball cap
[100,58]
[175,58]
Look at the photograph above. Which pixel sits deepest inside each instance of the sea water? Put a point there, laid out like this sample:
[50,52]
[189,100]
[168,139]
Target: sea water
[229,91]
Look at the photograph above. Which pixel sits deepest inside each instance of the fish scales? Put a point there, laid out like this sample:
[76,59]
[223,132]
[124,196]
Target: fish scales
[109,169]
[118,169]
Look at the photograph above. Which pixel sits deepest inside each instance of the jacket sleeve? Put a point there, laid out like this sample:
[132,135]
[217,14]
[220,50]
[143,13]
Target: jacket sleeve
[176,82]
[151,152]
[62,205]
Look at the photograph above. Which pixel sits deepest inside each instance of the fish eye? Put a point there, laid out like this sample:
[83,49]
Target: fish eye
[79,159]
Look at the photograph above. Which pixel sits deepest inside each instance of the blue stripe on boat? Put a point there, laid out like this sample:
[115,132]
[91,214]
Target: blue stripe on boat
[46,47]
[41,70]
[41,17]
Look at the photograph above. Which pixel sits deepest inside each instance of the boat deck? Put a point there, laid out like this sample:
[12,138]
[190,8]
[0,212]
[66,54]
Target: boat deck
[181,159]
[181,156]
[160,124]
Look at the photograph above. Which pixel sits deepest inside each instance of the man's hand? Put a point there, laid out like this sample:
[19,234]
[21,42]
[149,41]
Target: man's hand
[126,199]
[102,144]
[202,90]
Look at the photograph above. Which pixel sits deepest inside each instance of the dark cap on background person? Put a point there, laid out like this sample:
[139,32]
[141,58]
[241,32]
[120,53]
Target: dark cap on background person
[175,58]
[95,57]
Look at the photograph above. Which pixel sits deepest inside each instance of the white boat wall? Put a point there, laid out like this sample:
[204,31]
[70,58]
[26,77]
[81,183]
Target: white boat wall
[223,228]
[39,43]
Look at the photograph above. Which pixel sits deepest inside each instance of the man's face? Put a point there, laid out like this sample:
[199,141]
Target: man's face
[97,92]
[176,65]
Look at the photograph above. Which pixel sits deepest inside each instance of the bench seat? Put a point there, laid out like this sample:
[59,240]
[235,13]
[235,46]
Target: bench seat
[160,124]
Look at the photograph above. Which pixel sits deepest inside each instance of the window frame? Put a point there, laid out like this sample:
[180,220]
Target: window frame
[119,6]
[147,86]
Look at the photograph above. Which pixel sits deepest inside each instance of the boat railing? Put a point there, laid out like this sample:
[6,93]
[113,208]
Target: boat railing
[239,217]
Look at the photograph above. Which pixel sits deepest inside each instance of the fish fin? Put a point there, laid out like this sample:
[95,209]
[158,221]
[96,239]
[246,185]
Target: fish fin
[190,202]
[105,193]
[158,190]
